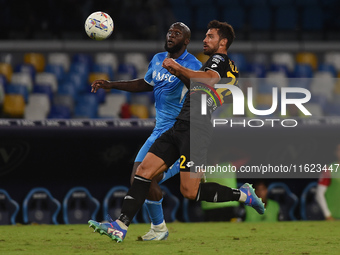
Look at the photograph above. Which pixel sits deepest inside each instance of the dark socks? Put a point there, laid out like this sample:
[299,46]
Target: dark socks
[134,199]
[214,192]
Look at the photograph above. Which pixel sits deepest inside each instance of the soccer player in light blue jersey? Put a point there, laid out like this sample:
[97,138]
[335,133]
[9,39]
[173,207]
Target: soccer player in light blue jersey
[169,92]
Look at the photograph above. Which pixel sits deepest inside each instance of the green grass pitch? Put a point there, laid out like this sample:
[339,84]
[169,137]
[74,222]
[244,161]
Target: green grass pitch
[185,238]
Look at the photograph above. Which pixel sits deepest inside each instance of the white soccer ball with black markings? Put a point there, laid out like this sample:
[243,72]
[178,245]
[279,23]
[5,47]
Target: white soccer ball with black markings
[99,26]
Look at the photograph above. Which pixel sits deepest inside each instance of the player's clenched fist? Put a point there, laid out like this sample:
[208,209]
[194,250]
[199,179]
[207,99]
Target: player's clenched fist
[100,84]
[171,65]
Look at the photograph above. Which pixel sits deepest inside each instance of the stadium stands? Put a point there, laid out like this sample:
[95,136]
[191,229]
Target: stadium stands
[40,207]
[79,206]
[309,207]
[8,209]
[288,201]
[280,69]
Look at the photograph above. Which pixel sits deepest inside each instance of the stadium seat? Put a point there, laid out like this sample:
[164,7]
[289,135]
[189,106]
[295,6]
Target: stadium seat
[38,106]
[139,111]
[3,81]
[23,79]
[107,58]
[333,58]
[300,82]
[59,112]
[8,209]
[78,81]
[86,106]
[43,89]
[240,61]
[59,58]
[235,16]
[281,68]
[26,68]
[303,71]
[83,58]
[257,69]
[279,79]
[126,72]
[2,93]
[40,207]
[260,58]
[79,68]
[112,203]
[36,59]
[284,58]
[6,70]
[57,70]
[79,206]
[323,83]
[264,99]
[48,79]
[309,207]
[97,76]
[332,109]
[7,57]
[307,58]
[192,211]
[139,60]
[170,206]
[18,89]
[14,106]
[288,201]
[68,88]
[112,105]
[64,100]
[328,68]
[104,68]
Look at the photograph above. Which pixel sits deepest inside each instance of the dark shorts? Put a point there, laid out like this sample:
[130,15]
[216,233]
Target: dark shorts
[176,143]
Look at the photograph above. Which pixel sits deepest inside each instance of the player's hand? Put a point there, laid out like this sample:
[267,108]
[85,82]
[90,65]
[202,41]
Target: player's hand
[171,65]
[100,84]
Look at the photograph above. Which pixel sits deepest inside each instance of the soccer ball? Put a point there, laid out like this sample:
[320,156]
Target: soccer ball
[99,26]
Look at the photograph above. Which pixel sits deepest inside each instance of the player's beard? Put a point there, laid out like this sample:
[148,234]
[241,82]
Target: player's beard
[173,49]
[210,51]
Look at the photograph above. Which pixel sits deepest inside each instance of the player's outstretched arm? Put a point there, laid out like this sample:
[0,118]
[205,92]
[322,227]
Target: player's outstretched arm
[185,74]
[137,85]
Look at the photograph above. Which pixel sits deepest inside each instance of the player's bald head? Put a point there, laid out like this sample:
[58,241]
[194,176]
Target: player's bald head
[184,28]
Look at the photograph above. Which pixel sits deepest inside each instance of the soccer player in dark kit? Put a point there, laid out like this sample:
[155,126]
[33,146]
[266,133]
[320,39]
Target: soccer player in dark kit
[177,141]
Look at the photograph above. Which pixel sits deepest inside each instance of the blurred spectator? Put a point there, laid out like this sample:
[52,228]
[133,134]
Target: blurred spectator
[328,189]
[272,207]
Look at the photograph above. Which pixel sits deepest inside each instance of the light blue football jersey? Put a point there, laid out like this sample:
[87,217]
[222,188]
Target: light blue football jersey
[169,91]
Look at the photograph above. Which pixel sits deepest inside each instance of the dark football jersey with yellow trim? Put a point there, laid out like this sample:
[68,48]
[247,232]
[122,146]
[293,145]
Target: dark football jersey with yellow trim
[228,72]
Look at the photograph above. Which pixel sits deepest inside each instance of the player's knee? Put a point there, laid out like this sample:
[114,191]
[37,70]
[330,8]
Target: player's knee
[142,171]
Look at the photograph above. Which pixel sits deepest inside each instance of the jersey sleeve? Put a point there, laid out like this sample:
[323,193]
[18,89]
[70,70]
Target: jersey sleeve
[216,63]
[148,76]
